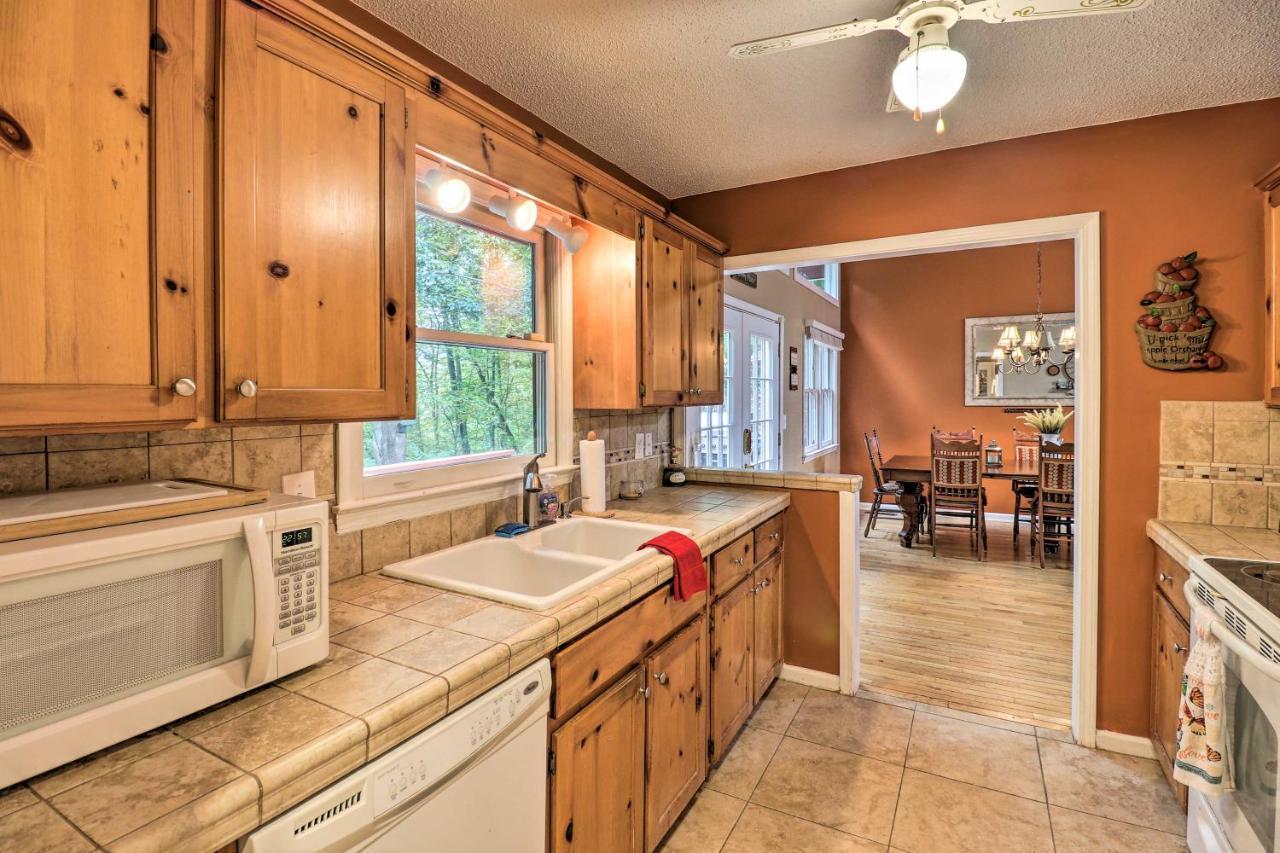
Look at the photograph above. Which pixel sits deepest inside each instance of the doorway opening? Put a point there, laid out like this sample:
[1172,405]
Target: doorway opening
[1083,230]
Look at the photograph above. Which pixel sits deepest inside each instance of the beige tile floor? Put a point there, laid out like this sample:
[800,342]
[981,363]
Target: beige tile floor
[816,771]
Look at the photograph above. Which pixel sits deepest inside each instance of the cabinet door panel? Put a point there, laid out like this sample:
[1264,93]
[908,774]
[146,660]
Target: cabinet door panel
[97,287]
[767,643]
[315,198]
[677,727]
[731,659]
[1170,641]
[597,790]
[706,328]
[664,367]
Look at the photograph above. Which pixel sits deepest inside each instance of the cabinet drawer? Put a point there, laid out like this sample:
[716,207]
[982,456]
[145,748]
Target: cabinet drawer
[1170,577]
[768,538]
[732,563]
[593,661]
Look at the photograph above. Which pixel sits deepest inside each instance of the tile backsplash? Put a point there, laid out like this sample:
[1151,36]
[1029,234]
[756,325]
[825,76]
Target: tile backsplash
[1220,463]
[259,456]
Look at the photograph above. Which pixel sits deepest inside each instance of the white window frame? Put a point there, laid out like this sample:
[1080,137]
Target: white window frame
[411,490]
[832,273]
[821,341]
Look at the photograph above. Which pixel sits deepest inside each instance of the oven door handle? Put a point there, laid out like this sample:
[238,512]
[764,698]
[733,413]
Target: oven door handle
[264,605]
[1242,649]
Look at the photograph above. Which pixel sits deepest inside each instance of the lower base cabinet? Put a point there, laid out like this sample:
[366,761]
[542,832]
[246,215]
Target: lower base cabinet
[732,638]
[1170,639]
[675,711]
[766,645]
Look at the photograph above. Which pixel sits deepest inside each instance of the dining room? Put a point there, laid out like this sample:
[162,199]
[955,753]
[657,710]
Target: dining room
[959,382]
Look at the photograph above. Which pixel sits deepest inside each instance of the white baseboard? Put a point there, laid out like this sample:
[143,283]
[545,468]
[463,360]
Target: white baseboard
[1125,744]
[810,677]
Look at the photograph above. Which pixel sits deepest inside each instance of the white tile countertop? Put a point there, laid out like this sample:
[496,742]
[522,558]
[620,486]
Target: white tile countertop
[402,656]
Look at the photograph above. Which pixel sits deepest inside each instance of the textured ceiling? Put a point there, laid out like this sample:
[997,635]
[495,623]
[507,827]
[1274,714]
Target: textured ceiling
[648,85]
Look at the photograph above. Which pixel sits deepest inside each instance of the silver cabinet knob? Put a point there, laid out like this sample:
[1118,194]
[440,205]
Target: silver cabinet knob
[766,583]
[248,388]
[184,387]
[1164,578]
[1179,648]
[661,678]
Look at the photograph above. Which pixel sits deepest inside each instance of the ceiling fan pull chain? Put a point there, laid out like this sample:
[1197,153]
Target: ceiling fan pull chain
[941,127]
[917,115]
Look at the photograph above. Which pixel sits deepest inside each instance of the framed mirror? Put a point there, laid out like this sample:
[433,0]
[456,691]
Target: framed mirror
[993,380]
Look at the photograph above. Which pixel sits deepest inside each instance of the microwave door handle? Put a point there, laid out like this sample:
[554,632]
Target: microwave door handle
[264,605]
[1242,649]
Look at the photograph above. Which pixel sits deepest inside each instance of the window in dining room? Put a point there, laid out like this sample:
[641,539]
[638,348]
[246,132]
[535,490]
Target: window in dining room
[821,389]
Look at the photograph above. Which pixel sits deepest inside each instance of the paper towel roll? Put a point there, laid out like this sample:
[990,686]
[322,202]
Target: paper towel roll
[591,472]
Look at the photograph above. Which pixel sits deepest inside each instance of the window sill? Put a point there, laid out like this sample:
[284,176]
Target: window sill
[383,509]
[817,290]
[809,456]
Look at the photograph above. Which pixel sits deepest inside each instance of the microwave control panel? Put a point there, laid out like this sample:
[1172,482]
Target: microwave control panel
[296,555]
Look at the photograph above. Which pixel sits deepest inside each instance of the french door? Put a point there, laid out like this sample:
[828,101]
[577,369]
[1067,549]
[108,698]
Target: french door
[745,431]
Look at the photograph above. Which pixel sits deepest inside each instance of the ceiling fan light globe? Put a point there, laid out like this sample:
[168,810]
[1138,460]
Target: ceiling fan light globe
[928,77]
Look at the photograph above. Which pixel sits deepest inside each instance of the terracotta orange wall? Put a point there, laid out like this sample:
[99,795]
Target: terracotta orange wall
[1164,185]
[902,369]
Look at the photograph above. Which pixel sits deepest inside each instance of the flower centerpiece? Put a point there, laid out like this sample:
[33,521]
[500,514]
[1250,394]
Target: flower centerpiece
[1048,422]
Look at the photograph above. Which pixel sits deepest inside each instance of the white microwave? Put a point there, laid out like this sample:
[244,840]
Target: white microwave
[105,634]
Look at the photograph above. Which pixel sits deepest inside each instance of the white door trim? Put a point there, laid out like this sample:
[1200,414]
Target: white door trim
[749,308]
[1084,229]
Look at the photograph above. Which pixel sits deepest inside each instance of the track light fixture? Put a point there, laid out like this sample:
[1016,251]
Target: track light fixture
[521,213]
[451,193]
[573,236]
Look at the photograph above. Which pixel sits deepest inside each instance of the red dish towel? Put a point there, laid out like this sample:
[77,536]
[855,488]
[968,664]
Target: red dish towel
[691,574]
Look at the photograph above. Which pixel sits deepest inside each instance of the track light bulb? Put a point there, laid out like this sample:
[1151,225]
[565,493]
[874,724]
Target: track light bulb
[521,213]
[451,193]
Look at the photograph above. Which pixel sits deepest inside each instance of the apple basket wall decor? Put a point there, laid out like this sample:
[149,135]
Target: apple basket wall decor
[1174,332]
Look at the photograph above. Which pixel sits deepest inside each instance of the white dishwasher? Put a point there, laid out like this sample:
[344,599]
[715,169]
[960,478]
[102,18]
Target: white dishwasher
[476,782]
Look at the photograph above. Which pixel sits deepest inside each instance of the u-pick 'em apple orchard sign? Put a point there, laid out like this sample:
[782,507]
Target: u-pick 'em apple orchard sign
[1174,332]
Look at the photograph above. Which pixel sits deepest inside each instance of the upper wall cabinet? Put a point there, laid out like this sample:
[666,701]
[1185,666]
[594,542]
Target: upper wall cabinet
[315,312]
[647,320]
[97,267]
[1270,186]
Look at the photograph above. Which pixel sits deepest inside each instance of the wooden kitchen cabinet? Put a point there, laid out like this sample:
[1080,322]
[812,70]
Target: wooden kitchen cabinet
[315,308]
[598,787]
[766,646]
[677,728]
[648,320]
[732,638]
[1270,187]
[98,286]
[1170,641]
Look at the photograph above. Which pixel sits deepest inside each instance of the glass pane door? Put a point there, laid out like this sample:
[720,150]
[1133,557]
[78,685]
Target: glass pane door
[761,448]
[744,431]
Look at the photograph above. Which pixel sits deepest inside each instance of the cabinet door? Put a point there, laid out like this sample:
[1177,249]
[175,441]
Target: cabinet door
[597,788]
[677,728]
[1170,640]
[664,357]
[706,327]
[767,643]
[731,659]
[315,312]
[97,228]
[1271,237]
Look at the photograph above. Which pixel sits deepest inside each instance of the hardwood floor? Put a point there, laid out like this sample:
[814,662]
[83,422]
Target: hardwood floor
[991,638]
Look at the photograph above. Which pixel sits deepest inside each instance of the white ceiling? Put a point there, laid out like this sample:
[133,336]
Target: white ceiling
[648,85]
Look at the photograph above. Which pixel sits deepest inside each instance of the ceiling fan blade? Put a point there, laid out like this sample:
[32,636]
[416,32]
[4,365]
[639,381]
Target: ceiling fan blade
[805,38]
[1006,11]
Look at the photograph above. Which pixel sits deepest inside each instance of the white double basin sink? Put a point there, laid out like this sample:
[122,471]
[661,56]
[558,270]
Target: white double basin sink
[539,569]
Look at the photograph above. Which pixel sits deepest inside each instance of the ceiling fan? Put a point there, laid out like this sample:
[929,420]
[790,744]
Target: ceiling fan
[930,72]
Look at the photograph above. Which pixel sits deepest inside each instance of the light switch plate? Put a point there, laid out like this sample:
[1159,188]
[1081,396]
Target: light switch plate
[648,444]
[302,484]
[639,445]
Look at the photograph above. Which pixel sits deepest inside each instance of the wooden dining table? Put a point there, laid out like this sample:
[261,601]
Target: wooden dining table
[915,471]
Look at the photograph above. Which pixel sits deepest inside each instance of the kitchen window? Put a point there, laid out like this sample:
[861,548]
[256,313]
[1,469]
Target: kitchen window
[824,278]
[485,367]
[821,389]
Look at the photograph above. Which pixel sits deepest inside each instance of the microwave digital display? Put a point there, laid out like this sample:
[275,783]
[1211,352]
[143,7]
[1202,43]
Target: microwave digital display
[295,537]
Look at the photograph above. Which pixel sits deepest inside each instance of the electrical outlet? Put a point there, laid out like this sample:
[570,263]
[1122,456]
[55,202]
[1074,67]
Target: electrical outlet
[639,445]
[302,484]
[648,444]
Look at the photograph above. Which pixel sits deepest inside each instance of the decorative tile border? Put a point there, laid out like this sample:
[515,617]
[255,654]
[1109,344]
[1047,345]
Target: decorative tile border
[1222,473]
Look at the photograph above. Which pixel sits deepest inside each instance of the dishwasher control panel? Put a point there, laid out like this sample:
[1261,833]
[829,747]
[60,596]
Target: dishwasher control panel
[460,738]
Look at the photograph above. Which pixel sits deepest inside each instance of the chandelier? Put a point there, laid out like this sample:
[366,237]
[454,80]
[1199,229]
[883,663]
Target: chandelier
[1017,352]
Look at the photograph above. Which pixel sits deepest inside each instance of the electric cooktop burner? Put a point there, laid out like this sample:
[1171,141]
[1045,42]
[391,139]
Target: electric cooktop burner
[1258,579]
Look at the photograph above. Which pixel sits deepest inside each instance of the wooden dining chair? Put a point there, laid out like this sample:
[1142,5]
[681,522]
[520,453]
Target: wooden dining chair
[1026,450]
[884,490]
[956,474]
[964,435]
[1053,515]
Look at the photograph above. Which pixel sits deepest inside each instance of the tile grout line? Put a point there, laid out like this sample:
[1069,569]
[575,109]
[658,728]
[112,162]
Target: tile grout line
[1048,810]
[897,801]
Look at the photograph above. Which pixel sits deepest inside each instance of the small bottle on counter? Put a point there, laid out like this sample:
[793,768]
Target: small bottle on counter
[673,474]
[548,507]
